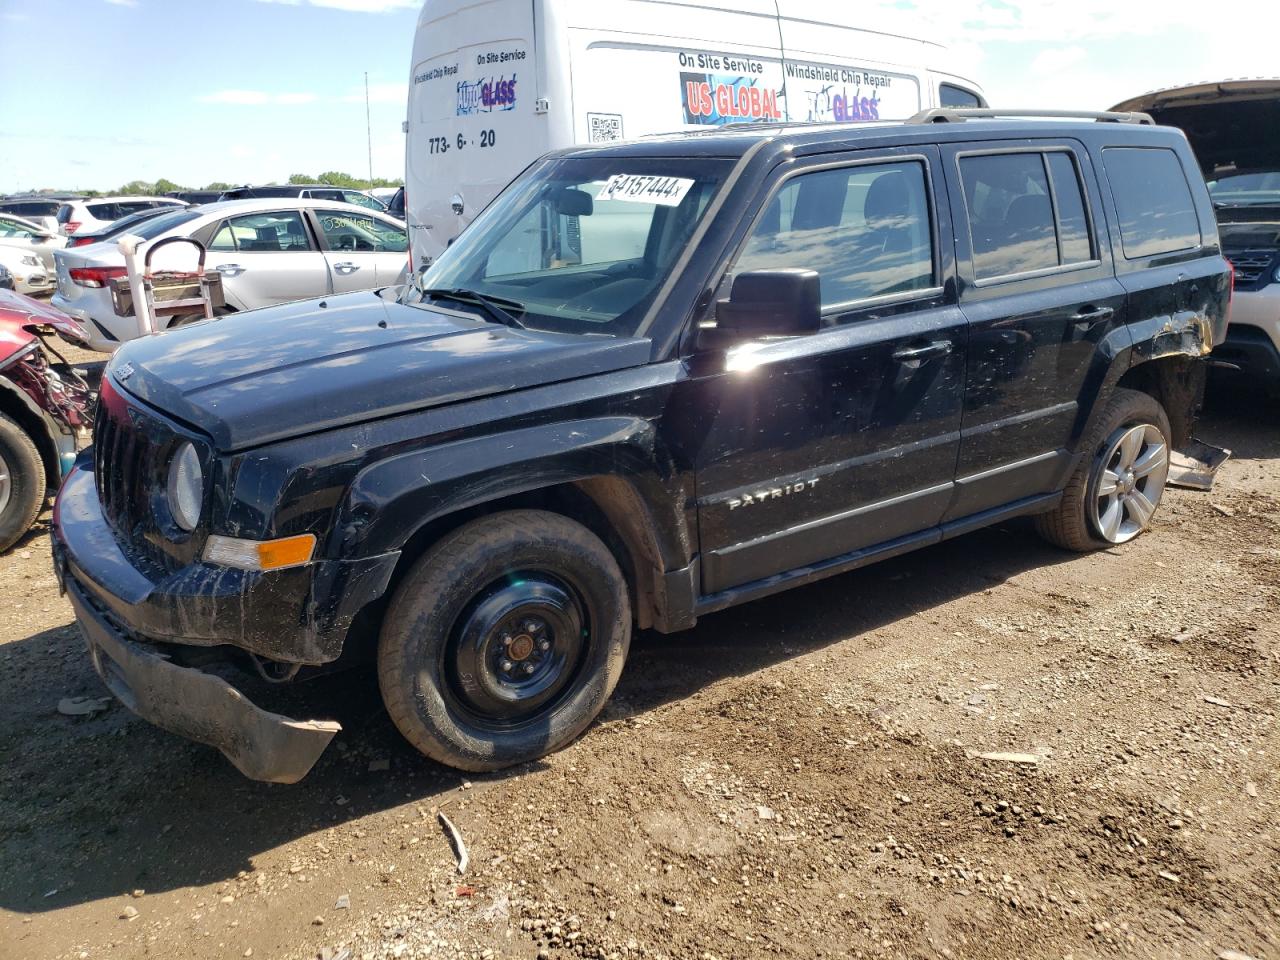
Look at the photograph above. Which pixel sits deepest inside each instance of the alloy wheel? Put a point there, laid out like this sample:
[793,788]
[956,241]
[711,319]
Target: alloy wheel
[1128,482]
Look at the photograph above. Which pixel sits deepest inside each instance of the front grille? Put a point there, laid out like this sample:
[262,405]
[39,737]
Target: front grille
[1253,267]
[130,453]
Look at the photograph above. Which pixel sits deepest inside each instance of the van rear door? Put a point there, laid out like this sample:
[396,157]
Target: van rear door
[471,104]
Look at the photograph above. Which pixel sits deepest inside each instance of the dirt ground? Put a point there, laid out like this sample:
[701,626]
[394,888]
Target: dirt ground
[798,777]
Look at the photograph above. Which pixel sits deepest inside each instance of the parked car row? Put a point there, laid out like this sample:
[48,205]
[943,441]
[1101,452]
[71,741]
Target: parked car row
[268,251]
[306,191]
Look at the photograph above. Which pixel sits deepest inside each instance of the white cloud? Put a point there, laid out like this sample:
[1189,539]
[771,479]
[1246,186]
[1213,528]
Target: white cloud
[1056,60]
[380,93]
[256,98]
[292,99]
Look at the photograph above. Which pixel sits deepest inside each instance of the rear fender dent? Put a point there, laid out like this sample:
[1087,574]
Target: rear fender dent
[1183,333]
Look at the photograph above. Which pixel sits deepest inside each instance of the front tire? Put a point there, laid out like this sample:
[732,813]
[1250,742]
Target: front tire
[1115,490]
[504,640]
[22,483]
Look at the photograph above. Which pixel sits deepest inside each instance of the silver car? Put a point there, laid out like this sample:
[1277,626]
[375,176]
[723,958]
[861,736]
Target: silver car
[268,251]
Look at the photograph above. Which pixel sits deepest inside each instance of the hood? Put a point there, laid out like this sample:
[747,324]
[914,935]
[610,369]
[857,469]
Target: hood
[21,316]
[1232,124]
[266,375]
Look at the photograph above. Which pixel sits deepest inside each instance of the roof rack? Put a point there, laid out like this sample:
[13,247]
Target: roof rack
[958,114]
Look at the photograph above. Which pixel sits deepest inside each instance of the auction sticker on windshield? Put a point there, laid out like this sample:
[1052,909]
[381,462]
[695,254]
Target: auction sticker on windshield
[640,188]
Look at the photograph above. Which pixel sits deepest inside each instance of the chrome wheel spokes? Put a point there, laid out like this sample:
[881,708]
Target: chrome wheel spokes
[1129,482]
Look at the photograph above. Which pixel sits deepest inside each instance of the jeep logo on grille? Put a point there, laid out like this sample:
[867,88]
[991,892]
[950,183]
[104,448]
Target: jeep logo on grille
[125,371]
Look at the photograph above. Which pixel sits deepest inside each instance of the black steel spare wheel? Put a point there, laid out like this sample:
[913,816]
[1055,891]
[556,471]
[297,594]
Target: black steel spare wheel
[516,648]
[504,640]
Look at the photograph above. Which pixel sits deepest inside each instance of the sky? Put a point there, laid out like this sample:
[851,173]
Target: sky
[95,93]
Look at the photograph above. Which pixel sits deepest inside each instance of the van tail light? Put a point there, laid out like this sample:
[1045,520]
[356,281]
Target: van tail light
[71,226]
[95,277]
[79,241]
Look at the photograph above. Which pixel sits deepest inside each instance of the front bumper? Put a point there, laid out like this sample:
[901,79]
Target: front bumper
[198,705]
[123,611]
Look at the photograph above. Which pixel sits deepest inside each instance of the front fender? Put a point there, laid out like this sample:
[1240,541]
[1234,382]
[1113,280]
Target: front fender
[389,501]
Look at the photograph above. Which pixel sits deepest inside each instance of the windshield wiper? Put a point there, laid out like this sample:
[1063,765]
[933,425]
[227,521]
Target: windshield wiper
[497,307]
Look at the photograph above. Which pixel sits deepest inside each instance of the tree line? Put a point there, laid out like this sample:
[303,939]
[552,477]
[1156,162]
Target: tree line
[331,178]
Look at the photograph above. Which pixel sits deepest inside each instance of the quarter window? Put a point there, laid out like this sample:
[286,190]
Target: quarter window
[950,95]
[1153,199]
[1019,224]
[866,230]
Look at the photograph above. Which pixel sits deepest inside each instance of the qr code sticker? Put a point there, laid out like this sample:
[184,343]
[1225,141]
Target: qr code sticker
[604,127]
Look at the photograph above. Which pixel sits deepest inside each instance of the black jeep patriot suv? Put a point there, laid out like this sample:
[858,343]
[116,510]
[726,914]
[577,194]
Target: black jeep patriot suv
[652,380]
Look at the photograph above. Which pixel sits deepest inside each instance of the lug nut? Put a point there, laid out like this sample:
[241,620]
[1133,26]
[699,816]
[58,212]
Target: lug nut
[506,666]
[528,668]
[544,645]
[530,626]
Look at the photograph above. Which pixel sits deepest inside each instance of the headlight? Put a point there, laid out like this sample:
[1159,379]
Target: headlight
[1277,275]
[30,261]
[186,487]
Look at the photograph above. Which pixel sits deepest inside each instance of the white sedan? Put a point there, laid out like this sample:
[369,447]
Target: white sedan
[268,251]
[28,273]
[30,237]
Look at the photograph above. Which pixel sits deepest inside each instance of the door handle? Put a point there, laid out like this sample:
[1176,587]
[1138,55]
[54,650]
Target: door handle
[346,267]
[229,269]
[921,352]
[1091,315]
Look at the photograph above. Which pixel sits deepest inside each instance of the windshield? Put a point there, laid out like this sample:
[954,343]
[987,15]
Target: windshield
[1246,189]
[579,245]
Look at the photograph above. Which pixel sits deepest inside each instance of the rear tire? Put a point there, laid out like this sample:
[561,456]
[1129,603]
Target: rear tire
[23,486]
[1119,482]
[504,640]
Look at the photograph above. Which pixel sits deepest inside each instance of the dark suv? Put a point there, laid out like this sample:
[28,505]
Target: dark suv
[317,191]
[649,382]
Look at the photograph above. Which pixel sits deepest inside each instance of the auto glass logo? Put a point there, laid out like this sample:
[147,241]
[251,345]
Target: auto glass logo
[486,95]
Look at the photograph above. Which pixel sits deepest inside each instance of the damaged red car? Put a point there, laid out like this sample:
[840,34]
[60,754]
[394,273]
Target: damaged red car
[46,411]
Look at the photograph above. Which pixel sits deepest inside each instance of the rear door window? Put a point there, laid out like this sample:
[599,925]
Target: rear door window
[866,230]
[281,232]
[1026,212]
[1153,199]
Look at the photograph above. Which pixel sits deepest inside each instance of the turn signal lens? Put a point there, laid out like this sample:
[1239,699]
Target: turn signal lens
[260,554]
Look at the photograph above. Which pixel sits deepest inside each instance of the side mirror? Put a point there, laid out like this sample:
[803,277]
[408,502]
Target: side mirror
[771,303]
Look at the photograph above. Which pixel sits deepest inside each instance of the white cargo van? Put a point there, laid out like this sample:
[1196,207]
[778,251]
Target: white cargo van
[497,83]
